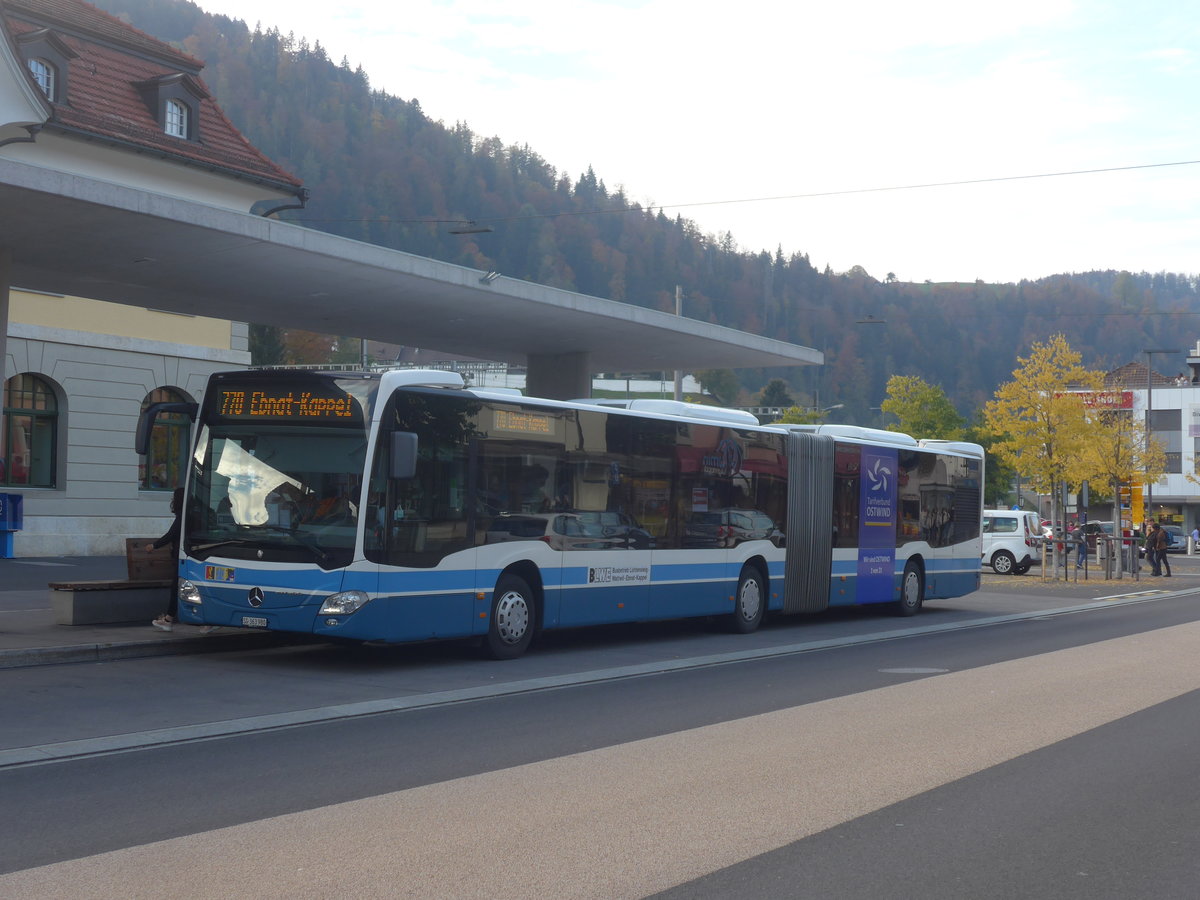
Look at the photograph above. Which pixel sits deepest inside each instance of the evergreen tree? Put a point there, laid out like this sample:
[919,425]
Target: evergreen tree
[267,347]
[776,394]
[722,384]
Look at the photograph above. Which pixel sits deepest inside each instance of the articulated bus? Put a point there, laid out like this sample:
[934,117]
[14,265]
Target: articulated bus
[402,506]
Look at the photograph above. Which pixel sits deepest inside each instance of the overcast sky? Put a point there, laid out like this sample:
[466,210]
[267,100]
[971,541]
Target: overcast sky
[704,108]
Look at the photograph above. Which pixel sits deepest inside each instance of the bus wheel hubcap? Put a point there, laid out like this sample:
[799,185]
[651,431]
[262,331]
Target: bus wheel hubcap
[912,590]
[751,599]
[512,617]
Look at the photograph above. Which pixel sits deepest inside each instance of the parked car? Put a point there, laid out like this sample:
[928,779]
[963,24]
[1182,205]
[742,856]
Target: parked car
[571,530]
[1011,541]
[620,526]
[1097,530]
[1177,540]
[730,527]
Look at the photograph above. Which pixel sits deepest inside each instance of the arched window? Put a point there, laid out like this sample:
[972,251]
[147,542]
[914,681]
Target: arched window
[163,468]
[28,432]
[45,76]
[176,123]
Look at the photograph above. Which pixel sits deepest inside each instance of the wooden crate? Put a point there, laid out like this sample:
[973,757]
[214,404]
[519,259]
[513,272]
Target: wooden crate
[149,565]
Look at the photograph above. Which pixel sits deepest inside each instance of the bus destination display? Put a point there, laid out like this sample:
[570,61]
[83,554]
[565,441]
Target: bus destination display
[285,406]
[523,422]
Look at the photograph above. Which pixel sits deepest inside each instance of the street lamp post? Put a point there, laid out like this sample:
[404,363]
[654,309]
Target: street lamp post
[821,410]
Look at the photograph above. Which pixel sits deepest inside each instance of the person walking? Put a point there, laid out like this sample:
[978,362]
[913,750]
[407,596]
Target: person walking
[1151,549]
[166,622]
[1081,547]
[1161,541]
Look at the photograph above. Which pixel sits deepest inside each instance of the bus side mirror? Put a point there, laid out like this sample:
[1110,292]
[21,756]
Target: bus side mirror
[404,454]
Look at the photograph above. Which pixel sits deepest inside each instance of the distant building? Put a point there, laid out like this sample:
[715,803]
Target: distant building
[1174,404]
[83,93]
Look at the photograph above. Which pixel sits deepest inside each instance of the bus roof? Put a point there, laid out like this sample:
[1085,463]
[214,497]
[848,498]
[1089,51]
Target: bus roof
[856,432]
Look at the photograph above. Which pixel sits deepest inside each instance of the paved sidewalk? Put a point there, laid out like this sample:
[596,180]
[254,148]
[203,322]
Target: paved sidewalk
[29,635]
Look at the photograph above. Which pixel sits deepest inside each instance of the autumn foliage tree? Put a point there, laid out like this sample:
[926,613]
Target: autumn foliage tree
[1122,453]
[1042,421]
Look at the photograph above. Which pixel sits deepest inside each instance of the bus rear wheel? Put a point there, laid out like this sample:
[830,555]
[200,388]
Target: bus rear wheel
[750,602]
[912,590]
[510,628]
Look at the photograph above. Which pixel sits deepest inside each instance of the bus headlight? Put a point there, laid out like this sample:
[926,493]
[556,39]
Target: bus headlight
[344,603]
[189,593]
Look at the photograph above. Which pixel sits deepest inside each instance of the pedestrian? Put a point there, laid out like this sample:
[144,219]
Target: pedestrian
[1195,539]
[1064,545]
[1161,542]
[1151,549]
[166,622]
[1080,548]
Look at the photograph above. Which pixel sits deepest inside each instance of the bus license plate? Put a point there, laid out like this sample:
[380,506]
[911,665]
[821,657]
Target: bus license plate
[253,622]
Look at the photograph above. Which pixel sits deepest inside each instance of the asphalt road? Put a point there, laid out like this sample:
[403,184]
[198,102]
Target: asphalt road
[1048,756]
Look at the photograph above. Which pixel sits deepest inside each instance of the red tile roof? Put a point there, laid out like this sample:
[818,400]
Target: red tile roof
[103,97]
[1134,375]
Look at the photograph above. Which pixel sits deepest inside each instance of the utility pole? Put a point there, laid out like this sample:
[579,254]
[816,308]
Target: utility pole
[678,312]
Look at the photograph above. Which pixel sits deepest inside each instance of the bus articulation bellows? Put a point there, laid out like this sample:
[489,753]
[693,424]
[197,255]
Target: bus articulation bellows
[402,506]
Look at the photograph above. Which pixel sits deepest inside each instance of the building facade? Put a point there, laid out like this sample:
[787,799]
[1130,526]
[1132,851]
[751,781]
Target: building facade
[1171,406]
[83,93]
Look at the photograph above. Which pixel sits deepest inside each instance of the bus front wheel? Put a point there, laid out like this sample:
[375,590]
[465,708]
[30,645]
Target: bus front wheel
[750,603]
[912,590]
[510,629]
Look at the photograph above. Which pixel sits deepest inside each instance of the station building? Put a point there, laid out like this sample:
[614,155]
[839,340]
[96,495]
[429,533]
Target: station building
[84,93]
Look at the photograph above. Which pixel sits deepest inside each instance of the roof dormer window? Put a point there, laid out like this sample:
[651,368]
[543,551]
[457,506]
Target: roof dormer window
[47,56]
[175,101]
[176,115]
[45,76]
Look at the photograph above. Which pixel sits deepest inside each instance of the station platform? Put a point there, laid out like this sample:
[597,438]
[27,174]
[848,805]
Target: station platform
[29,635]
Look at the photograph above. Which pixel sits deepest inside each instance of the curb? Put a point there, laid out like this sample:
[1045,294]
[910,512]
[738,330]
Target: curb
[107,652]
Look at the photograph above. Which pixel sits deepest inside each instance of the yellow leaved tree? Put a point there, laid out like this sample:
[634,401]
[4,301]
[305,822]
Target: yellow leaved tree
[1122,452]
[1042,421]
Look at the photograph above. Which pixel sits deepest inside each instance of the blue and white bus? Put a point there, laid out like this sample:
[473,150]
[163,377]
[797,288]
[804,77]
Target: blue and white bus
[402,506]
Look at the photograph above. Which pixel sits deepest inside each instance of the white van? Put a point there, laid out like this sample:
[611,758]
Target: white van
[1010,540]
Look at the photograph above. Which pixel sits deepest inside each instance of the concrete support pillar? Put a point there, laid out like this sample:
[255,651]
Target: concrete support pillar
[5,277]
[559,376]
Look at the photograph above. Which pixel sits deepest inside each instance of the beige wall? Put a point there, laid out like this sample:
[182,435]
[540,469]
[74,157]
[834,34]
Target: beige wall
[99,317]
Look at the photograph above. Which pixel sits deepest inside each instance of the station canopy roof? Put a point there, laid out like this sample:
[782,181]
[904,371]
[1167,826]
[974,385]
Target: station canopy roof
[73,235]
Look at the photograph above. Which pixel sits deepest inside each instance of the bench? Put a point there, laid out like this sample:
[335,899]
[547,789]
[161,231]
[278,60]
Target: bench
[139,598]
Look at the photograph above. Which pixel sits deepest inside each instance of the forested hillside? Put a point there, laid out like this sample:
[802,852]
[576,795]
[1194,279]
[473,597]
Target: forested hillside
[380,170]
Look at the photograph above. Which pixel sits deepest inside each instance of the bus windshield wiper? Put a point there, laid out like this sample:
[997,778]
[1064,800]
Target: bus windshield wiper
[301,538]
[297,536]
[204,548]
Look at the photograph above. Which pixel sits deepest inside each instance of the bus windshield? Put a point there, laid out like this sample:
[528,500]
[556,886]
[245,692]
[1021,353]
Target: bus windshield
[287,493]
[277,482]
